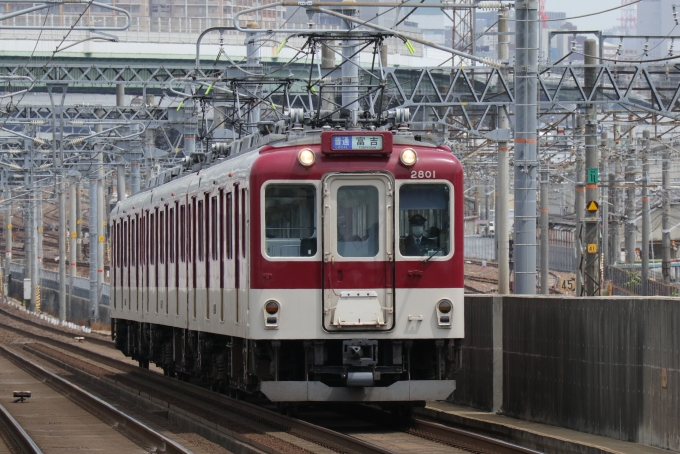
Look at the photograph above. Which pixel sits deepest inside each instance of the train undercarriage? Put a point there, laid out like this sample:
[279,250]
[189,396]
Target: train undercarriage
[239,367]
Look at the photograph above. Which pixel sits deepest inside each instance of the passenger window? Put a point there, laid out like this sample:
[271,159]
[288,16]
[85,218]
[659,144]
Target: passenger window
[182,232]
[290,220]
[230,215]
[171,231]
[358,224]
[161,238]
[213,228]
[424,220]
[200,232]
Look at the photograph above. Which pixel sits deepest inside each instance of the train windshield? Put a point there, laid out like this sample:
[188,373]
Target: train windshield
[424,220]
[290,220]
[358,221]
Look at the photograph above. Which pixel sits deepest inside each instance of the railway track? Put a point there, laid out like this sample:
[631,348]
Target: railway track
[216,416]
[88,338]
[15,437]
[150,439]
[241,419]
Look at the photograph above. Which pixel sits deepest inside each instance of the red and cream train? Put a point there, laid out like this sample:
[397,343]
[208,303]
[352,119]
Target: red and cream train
[317,266]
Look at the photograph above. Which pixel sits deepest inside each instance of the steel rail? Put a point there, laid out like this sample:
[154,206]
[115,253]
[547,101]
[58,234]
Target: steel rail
[160,442]
[17,433]
[52,329]
[472,440]
[350,443]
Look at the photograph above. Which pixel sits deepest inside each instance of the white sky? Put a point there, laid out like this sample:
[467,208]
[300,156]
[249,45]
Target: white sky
[579,7]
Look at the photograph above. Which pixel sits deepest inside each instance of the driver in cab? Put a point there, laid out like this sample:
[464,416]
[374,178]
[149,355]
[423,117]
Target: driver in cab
[416,243]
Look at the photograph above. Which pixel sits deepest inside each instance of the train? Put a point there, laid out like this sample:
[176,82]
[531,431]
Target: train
[300,265]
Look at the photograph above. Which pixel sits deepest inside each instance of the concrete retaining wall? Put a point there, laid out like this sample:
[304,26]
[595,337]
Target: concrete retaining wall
[596,365]
[79,308]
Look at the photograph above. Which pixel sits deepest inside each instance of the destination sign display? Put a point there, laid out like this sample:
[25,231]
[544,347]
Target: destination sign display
[357,142]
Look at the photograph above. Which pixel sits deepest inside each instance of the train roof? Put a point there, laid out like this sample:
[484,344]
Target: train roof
[208,169]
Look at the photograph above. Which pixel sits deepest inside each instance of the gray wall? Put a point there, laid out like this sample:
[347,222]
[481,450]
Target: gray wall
[594,365]
[77,311]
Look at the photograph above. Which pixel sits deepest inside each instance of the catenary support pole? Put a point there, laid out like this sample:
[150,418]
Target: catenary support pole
[503,173]
[94,232]
[644,245]
[73,256]
[28,246]
[545,187]
[8,240]
[604,178]
[253,66]
[579,205]
[630,201]
[79,220]
[37,249]
[526,95]
[350,68]
[617,197]
[665,215]
[591,215]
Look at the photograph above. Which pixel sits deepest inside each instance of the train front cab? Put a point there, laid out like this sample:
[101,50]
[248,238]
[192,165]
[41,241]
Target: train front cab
[360,271]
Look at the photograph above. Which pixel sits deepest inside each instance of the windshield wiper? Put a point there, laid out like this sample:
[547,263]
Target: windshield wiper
[433,254]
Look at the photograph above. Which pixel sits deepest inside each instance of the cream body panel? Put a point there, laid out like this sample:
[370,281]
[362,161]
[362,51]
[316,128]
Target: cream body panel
[301,315]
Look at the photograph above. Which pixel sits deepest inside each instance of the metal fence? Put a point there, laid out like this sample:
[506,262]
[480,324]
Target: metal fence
[626,282]
[561,254]
[50,279]
[479,247]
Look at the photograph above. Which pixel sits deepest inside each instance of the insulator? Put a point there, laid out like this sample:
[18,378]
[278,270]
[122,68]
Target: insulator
[39,141]
[493,63]
[37,122]
[489,5]
[77,122]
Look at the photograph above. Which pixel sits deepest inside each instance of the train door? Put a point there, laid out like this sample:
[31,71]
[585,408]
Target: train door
[358,251]
[228,311]
[213,248]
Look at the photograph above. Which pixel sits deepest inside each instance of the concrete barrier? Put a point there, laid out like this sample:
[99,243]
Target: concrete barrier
[78,309]
[608,366]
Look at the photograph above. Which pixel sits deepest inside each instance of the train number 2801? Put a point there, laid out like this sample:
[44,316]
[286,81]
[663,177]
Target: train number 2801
[423,174]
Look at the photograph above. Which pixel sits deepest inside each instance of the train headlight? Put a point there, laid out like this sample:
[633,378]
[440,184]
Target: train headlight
[271,312]
[306,157]
[444,313]
[408,157]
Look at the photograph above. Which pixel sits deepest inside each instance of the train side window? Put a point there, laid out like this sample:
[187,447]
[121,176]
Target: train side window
[201,245]
[152,224]
[290,220]
[230,232]
[133,258]
[183,232]
[424,220]
[119,243]
[213,228]
[244,235]
[171,229]
[125,247]
[161,239]
[142,240]
[192,233]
